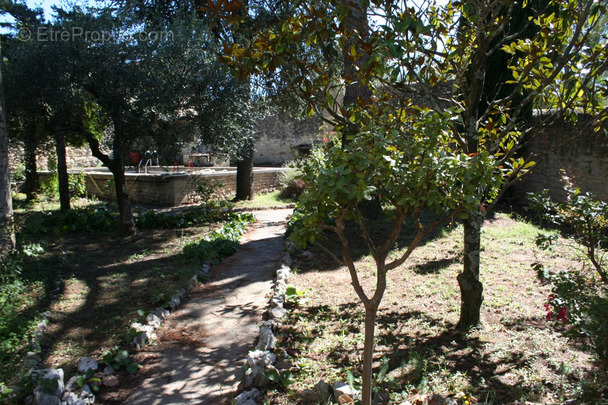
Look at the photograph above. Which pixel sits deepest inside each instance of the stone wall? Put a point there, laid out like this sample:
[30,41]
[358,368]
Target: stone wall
[168,189]
[46,159]
[582,153]
[279,138]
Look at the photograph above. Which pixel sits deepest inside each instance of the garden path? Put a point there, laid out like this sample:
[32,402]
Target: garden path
[203,344]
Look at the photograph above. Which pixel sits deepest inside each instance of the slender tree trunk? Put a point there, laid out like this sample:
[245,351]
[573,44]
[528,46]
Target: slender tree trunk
[368,353]
[357,93]
[471,289]
[7,229]
[31,171]
[62,172]
[126,224]
[244,175]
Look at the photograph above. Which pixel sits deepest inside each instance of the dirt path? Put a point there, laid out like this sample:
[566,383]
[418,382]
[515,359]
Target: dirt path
[203,344]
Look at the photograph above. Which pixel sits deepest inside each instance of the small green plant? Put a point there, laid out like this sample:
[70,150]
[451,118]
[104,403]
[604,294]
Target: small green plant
[78,185]
[88,378]
[578,303]
[293,295]
[49,187]
[153,220]
[586,216]
[219,243]
[118,359]
[284,377]
[292,186]
[209,190]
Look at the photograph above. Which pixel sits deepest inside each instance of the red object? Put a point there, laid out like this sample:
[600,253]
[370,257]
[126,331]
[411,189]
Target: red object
[135,157]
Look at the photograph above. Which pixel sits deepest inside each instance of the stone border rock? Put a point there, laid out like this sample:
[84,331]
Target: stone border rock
[261,360]
[51,389]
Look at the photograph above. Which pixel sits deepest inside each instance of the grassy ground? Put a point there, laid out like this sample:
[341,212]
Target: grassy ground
[93,283]
[268,200]
[515,356]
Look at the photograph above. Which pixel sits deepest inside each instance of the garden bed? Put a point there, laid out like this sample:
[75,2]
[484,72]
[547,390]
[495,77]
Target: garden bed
[516,356]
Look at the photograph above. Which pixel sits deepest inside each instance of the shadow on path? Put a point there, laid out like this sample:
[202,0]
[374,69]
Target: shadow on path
[203,344]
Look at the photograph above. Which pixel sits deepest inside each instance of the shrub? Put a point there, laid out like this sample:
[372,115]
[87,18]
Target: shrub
[220,243]
[78,185]
[209,191]
[292,186]
[579,301]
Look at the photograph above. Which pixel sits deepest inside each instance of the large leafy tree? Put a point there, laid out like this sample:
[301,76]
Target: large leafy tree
[431,135]
[520,56]
[23,131]
[150,87]
[7,232]
[42,103]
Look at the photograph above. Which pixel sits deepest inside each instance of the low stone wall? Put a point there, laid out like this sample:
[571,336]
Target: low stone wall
[173,189]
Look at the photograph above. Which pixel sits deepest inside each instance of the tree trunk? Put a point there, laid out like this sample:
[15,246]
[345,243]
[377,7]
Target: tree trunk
[126,224]
[471,289]
[368,354]
[31,172]
[355,92]
[244,175]
[62,172]
[7,229]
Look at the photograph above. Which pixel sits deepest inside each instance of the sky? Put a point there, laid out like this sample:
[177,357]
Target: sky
[45,4]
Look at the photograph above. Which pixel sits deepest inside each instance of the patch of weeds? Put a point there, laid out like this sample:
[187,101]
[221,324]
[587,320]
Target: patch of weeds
[139,256]
[293,296]
[284,377]
[153,220]
[119,359]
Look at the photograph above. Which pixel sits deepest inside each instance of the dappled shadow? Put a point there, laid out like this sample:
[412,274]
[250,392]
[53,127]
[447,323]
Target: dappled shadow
[137,272]
[424,353]
[415,355]
[435,266]
[204,343]
[316,259]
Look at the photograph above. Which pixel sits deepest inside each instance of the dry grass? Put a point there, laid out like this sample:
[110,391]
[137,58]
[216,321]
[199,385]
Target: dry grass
[515,356]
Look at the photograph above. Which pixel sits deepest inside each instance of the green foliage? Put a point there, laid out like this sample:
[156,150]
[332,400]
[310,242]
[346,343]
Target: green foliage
[209,190]
[586,216]
[292,186]
[78,185]
[283,377]
[579,308]
[49,187]
[119,359]
[153,220]
[18,175]
[88,219]
[219,243]
[413,172]
[579,303]
[293,295]
[103,218]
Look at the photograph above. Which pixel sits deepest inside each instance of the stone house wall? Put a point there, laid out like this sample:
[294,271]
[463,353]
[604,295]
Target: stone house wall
[281,138]
[583,154]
